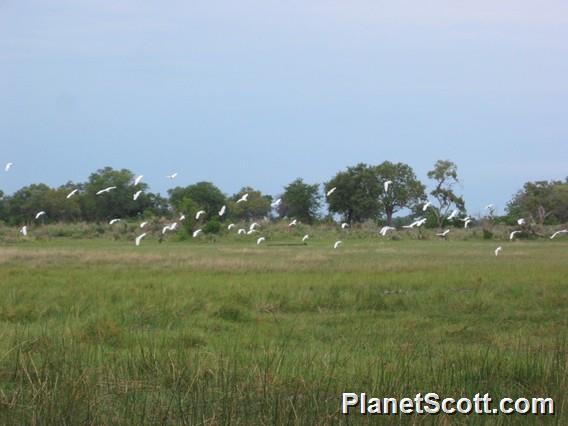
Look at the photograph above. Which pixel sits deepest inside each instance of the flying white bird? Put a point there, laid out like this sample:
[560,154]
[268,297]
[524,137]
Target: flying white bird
[331,191]
[562,231]
[172,176]
[251,231]
[72,193]
[498,250]
[231,225]
[196,233]
[260,240]
[417,223]
[182,217]
[276,203]
[222,211]
[454,214]
[242,231]
[8,167]
[39,214]
[253,225]
[24,231]
[199,214]
[243,198]
[387,184]
[108,189]
[489,207]
[143,224]
[466,223]
[465,219]
[512,234]
[139,238]
[170,227]
[113,221]
[521,221]
[428,204]
[443,234]
[337,243]
[293,223]
[344,225]
[386,229]
[305,238]
[136,195]
[138,179]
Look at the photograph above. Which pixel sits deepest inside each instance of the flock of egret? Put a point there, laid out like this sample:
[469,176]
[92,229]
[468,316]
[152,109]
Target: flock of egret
[294,222]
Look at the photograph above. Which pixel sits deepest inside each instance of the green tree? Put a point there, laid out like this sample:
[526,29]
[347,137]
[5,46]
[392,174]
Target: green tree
[203,196]
[357,192]
[542,201]
[445,176]
[406,191]
[23,205]
[257,206]
[300,200]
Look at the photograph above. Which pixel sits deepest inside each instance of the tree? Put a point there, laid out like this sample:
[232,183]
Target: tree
[406,191]
[357,192]
[300,200]
[445,175]
[203,196]
[23,205]
[257,206]
[543,201]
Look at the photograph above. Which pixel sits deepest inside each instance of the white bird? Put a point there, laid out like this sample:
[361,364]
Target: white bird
[172,176]
[39,214]
[243,198]
[489,207]
[466,223]
[331,191]
[242,231]
[139,238]
[443,234]
[344,225]
[293,223]
[113,221]
[465,219]
[253,225]
[143,224]
[260,240]
[196,233]
[231,225]
[387,184]
[222,211]
[428,204]
[454,214]
[521,221]
[251,231]
[72,193]
[305,238]
[108,189]
[24,230]
[199,214]
[8,167]
[562,231]
[498,250]
[512,234]
[417,223]
[170,227]
[138,179]
[337,243]
[386,229]
[182,217]
[276,203]
[136,195]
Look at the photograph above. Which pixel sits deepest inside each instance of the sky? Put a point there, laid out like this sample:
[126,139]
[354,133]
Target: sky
[261,92]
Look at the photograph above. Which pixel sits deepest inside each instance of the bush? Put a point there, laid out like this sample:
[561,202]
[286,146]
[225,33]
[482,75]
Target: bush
[212,227]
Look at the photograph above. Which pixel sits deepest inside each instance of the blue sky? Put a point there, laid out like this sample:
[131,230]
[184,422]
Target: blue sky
[261,92]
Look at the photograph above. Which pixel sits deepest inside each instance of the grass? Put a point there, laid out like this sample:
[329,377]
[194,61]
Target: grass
[101,332]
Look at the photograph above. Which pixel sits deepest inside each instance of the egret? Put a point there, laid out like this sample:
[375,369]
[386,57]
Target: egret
[387,184]
[143,224]
[337,243]
[253,225]
[136,195]
[466,223]
[182,217]
[344,225]
[242,231]
[8,167]
[243,198]
[72,193]
[251,231]
[305,238]
[138,179]
[428,204]
[260,240]
[113,221]
[331,191]
[276,203]
[386,229]
[231,225]
[293,223]
[489,207]
[512,234]
[139,238]
[498,250]
[24,230]
[108,189]
[465,219]
[454,214]
[521,221]
[443,234]
[562,231]
[199,214]
[172,176]
[196,233]
[222,211]
[39,214]
[170,227]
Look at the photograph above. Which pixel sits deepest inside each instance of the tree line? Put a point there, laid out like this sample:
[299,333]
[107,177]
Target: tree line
[360,194]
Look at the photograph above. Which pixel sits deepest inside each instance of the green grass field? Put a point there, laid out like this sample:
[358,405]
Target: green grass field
[101,332]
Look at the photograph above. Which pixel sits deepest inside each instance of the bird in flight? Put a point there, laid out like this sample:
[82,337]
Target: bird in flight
[337,244]
[253,225]
[454,214]
[562,231]
[196,233]
[182,217]
[143,224]
[139,239]
[512,234]
[498,250]
[466,222]
[138,179]
[331,191]
[172,176]
[8,166]
[293,223]
[72,193]
[136,195]
[199,214]
[276,203]
[170,227]
[39,214]
[24,230]
[443,234]
[113,221]
[107,189]
[521,221]
[242,231]
[305,238]
[387,184]
[386,229]
[243,198]
[222,211]
[428,204]
[230,226]
[344,225]
[260,240]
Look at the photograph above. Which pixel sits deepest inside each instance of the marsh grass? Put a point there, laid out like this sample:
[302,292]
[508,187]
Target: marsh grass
[100,332]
